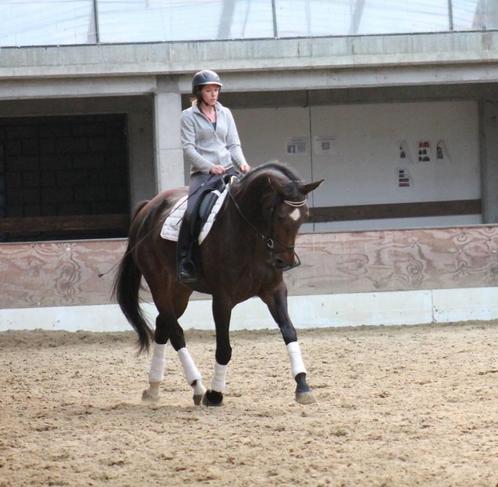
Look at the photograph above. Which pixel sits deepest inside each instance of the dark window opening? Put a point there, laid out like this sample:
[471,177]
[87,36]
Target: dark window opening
[63,177]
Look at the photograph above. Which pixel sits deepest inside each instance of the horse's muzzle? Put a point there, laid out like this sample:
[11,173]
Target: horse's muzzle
[286,264]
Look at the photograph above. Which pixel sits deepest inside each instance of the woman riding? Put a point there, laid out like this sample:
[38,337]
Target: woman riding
[211,146]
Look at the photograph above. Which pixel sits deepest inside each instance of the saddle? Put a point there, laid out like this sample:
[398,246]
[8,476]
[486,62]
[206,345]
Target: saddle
[209,206]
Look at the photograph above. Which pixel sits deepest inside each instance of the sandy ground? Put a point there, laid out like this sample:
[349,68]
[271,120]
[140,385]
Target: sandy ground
[396,406]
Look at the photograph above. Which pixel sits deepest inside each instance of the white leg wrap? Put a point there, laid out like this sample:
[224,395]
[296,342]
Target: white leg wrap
[156,372]
[219,377]
[199,388]
[296,361]
[189,369]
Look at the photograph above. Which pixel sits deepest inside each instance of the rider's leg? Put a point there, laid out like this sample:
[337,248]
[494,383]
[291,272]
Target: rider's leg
[186,266]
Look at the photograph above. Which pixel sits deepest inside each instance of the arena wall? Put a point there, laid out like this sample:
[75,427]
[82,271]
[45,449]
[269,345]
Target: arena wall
[348,278]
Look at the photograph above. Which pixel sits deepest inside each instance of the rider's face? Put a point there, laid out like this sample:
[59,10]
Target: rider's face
[209,94]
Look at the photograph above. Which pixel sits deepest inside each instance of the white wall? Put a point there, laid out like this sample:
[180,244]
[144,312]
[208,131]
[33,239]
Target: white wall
[361,166]
[356,309]
[264,133]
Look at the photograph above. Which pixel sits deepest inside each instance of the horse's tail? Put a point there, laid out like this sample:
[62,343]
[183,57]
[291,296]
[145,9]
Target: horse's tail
[126,289]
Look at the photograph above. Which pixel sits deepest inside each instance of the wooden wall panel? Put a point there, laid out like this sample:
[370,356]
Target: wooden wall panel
[397,260]
[57,273]
[395,210]
[66,273]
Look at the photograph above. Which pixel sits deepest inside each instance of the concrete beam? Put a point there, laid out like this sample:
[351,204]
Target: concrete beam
[76,88]
[380,76]
[249,55]
[259,82]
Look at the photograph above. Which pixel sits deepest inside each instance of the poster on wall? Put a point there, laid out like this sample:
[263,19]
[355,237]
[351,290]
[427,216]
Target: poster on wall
[324,144]
[404,179]
[296,146]
[442,153]
[404,153]
[424,151]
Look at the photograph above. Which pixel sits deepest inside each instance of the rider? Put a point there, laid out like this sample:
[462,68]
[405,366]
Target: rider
[211,146]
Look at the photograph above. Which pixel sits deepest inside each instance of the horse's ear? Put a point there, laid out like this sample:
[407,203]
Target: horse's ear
[308,188]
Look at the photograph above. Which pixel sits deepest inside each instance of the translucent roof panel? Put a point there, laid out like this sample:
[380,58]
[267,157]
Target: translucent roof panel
[58,22]
[475,14]
[178,20]
[297,18]
[46,22]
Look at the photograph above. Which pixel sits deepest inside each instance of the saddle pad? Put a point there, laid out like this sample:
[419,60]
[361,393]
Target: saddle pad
[171,226]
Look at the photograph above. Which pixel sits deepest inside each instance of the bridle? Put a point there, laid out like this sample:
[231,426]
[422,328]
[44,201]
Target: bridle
[271,242]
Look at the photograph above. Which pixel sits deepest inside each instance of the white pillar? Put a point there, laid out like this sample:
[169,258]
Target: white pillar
[168,151]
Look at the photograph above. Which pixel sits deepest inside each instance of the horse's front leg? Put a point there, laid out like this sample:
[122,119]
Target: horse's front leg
[277,304]
[222,311]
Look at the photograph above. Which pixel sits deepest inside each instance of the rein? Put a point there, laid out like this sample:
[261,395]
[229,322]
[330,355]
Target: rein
[270,240]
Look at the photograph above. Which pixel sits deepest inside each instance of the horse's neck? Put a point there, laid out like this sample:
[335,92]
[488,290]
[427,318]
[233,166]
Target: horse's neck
[252,195]
[244,215]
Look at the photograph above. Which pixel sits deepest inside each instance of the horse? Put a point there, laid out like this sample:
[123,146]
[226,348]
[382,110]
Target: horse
[249,246]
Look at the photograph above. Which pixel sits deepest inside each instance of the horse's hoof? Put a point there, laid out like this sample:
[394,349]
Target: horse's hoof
[212,398]
[199,391]
[305,397]
[148,396]
[152,393]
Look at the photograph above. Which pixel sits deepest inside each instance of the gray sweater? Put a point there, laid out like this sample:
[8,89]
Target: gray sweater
[205,146]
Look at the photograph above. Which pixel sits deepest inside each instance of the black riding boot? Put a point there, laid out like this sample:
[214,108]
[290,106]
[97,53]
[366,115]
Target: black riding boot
[187,271]
[189,264]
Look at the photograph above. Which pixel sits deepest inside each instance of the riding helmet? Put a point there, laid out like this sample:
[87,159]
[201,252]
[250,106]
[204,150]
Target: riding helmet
[205,77]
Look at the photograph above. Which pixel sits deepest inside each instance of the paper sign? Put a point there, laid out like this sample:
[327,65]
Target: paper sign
[424,151]
[324,144]
[296,145]
[442,153]
[404,178]
[404,153]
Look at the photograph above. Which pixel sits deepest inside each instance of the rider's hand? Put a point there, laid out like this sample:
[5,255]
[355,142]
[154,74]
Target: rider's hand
[245,168]
[217,169]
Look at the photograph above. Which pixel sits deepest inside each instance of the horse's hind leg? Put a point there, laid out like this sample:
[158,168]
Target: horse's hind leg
[157,364]
[167,327]
[190,370]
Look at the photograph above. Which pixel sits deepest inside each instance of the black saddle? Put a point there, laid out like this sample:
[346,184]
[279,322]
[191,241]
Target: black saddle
[207,200]
[189,266]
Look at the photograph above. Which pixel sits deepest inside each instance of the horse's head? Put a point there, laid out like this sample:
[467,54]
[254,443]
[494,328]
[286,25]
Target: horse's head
[277,210]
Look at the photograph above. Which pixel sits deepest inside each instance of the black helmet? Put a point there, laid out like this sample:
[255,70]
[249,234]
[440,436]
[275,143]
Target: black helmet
[205,77]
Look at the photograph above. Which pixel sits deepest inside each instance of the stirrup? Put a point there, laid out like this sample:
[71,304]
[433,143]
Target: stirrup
[187,272]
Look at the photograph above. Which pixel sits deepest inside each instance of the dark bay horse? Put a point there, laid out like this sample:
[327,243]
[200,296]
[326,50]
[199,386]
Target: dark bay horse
[244,255]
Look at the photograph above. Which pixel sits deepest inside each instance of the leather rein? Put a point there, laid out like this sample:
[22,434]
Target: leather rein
[270,241]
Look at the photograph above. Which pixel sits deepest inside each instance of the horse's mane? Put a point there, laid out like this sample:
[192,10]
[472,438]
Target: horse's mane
[275,166]
[289,183]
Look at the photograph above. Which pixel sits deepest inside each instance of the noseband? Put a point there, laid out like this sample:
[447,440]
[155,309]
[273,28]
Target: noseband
[270,241]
